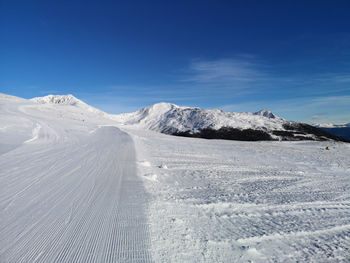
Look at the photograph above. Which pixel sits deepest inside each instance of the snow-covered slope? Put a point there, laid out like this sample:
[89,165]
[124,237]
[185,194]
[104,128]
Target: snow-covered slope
[168,118]
[69,190]
[172,119]
[188,121]
[67,100]
[192,121]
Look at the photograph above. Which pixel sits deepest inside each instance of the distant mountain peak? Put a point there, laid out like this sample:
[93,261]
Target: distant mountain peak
[68,99]
[332,125]
[266,113]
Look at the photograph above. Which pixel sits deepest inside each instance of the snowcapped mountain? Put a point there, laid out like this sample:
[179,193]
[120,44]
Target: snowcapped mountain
[196,122]
[67,100]
[59,99]
[216,124]
[169,118]
[266,113]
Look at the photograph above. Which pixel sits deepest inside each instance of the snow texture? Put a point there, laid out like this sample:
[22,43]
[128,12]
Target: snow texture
[76,186]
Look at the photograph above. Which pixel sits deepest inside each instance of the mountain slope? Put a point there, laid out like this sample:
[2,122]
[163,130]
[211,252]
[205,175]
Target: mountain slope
[210,124]
[67,100]
[216,124]
[167,118]
[69,186]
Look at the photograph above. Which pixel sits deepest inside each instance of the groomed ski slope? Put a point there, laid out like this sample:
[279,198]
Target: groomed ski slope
[77,187]
[70,193]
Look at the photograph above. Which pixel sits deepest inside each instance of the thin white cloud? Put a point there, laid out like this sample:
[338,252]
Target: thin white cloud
[332,100]
[342,78]
[320,117]
[223,71]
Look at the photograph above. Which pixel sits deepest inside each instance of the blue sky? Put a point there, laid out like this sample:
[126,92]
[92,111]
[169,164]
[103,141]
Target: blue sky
[292,57]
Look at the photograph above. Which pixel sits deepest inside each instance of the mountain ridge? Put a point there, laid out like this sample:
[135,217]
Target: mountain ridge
[172,119]
[167,117]
[177,120]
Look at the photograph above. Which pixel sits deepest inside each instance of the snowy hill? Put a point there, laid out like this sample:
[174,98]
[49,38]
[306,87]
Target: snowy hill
[216,124]
[168,118]
[67,100]
[196,122]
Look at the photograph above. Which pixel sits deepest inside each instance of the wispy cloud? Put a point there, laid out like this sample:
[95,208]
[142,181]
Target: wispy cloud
[320,117]
[249,75]
[223,71]
[252,83]
[326,101]
[342,78]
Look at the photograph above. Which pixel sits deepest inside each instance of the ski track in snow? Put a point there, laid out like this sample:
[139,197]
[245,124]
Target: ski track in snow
[76,200]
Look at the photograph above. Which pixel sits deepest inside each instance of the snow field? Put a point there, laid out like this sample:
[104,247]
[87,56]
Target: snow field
[76,188]
[228,201]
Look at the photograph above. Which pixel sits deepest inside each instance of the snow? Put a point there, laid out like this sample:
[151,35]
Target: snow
[59,99]
[77,186]
[68,194]
[67,100]
[167,117]
[231,201]
[266,113]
